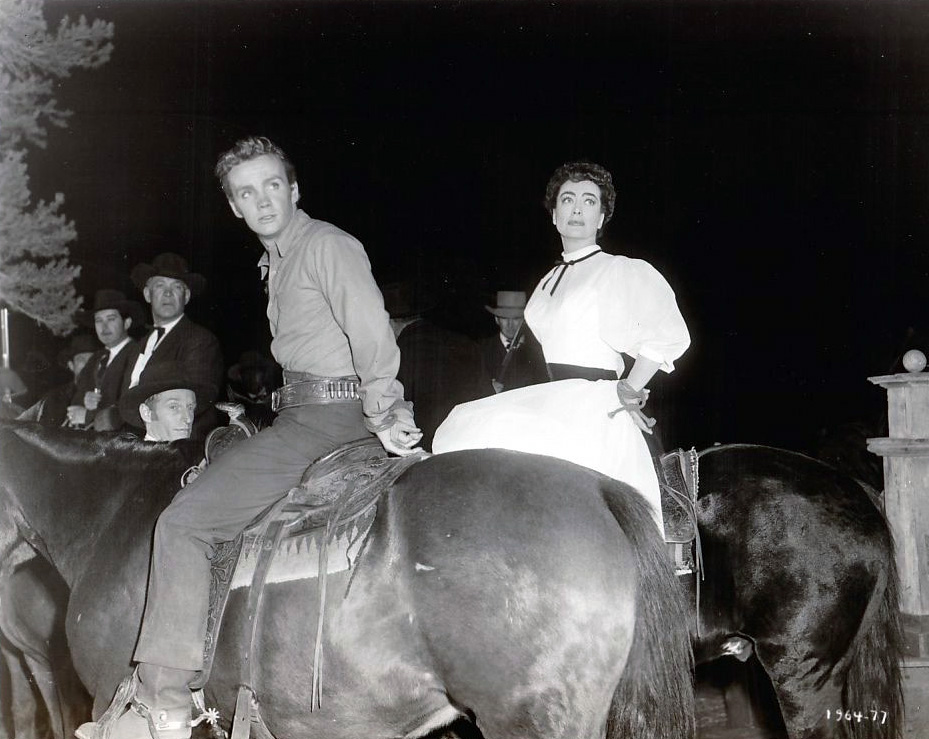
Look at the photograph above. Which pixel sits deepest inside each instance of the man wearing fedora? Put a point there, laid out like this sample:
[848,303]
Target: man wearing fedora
[101,382]
[52,408]
[512,357]
[339,358]
[168,285]
[164,403]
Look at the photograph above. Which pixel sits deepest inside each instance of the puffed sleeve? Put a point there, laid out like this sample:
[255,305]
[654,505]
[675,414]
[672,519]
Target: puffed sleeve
[639,314]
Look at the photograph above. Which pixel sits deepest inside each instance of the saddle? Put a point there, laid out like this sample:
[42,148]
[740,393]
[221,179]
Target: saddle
[334,504]
[678,480]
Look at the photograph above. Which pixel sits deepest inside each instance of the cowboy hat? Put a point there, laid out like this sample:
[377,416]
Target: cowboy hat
[404,299]
[509,304]
[251,360]
[168,265]
[107,299]
[157,379]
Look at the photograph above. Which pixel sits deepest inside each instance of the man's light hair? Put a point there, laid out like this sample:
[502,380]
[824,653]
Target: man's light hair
[247,149]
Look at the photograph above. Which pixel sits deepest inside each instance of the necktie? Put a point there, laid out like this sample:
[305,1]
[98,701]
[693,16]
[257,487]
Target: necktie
[564,268]
[101,369]
[160,331]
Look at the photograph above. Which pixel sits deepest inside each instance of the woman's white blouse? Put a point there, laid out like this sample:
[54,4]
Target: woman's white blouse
[605,305]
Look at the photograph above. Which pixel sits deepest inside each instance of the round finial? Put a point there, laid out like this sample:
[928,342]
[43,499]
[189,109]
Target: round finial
[914,361]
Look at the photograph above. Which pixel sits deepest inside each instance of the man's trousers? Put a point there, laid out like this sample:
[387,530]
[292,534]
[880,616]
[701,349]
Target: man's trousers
[216,507]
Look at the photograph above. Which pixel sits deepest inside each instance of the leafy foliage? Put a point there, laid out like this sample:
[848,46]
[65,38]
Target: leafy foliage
[36,278]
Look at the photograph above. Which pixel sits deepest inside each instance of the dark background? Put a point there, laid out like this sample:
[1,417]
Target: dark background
[770,157]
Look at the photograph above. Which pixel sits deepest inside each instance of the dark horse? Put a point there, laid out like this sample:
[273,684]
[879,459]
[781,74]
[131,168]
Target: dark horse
[499,593]
[799,560]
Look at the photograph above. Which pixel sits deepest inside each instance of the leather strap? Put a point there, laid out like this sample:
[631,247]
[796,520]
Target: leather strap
[320,390]
[268,542]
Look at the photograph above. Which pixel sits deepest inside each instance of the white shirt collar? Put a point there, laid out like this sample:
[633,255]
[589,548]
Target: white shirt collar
[168,326]
[117,349]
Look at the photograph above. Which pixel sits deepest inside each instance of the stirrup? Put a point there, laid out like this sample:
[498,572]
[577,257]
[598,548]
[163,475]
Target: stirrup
[158,720]
[125,700]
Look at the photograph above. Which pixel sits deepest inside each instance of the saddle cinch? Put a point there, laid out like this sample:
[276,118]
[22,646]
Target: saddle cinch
[334,507]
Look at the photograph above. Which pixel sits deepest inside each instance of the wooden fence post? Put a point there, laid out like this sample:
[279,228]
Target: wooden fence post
[905,453]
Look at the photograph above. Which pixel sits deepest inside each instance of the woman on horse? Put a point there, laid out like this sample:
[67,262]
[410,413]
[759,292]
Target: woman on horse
[587,311]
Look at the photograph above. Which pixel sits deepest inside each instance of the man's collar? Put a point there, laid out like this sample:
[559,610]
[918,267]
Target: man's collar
[171,324]
[283,242]
[118,348]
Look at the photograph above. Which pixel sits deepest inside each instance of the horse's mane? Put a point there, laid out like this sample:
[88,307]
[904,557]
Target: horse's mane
[72,445]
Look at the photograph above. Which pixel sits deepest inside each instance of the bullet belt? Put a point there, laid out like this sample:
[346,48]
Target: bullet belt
[302,388]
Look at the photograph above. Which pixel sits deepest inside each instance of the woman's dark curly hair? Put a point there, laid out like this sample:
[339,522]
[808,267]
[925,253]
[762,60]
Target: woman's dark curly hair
[578,172]
[250,148]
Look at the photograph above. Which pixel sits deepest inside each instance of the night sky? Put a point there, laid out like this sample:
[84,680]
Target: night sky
[771,159]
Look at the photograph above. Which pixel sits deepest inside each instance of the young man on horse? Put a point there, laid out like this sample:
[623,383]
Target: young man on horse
[328,321]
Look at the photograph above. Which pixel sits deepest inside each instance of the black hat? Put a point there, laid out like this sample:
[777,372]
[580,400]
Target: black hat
[79,344]
[404,300]
[251,360]
[168,265]
[157,379]
[107,299]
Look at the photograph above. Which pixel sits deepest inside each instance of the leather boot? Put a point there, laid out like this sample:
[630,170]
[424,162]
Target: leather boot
[155,704]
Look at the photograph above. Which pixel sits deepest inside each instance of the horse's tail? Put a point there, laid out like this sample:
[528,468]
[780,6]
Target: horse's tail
[873,682]
[655,695]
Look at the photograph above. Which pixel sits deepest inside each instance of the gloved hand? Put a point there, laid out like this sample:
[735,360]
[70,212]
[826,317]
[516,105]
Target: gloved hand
[633,401]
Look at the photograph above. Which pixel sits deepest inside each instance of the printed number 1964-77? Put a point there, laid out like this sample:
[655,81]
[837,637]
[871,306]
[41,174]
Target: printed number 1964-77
[859,716]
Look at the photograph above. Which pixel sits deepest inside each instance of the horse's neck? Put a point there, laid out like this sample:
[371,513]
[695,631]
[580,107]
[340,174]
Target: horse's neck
[66,490]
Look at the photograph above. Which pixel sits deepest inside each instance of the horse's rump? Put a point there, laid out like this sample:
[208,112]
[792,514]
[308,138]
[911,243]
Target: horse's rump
[800,560]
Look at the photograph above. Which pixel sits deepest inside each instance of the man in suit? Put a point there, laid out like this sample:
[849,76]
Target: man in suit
[439,368]
[101,382]
[512,357]
[168,286]
[52,408]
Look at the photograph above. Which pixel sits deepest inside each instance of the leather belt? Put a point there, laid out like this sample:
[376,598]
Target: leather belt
[302,388]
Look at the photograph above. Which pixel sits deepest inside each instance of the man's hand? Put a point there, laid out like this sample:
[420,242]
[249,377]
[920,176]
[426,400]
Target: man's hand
[92,399]
[401,438]
[77,415]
